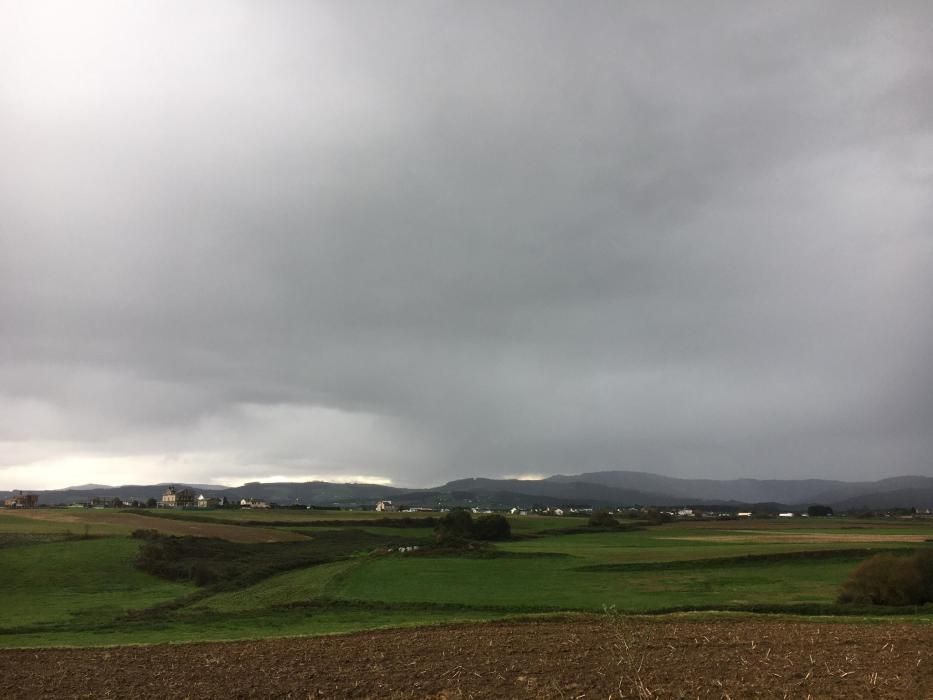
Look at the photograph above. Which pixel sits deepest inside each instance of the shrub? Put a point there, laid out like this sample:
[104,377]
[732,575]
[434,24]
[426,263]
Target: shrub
[145,534]
[888,579]
[602,518]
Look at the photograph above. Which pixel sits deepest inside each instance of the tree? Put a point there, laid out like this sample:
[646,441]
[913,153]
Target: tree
[151,503]
[491,527]
[458,526]
[816,511]
[453,527]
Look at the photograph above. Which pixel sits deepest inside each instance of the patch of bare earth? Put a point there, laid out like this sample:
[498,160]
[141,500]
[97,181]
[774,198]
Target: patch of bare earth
[170,526]
[602,658]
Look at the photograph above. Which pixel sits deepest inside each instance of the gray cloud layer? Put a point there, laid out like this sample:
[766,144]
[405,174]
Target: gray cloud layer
[422,240]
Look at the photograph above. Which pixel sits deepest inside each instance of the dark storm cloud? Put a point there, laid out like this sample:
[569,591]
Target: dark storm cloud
[426,240]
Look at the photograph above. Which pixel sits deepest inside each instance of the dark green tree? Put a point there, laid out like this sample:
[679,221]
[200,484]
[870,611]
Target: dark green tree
[454,527]
[492,527]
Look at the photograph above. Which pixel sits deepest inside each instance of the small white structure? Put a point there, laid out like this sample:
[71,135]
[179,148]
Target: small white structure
[514,511]
[745,515]
[558,511]
[205,502]
[386,507]
[685,512]
[785,515]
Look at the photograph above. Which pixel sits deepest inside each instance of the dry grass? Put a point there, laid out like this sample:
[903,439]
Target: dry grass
[756,537]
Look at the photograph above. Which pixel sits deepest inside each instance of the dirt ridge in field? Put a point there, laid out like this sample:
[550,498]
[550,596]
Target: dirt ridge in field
[607,657]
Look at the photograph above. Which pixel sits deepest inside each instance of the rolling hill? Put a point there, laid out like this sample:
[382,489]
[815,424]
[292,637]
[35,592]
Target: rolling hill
[597,489]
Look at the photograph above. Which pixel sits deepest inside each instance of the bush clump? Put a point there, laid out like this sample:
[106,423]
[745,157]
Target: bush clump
[602,518]
[145,534]
[458,527]
[889,579]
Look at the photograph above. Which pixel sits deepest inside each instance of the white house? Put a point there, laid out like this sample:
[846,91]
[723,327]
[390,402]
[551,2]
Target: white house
[386,507]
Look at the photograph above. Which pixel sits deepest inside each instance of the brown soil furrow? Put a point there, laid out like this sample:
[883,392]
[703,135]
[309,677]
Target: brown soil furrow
[604,658]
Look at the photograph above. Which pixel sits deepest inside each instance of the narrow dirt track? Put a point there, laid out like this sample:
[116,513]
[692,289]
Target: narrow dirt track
[568,659]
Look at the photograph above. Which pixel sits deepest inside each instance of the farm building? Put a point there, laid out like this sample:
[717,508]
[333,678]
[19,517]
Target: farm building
[22,500]
[172,498]
[206,502]
[386,507]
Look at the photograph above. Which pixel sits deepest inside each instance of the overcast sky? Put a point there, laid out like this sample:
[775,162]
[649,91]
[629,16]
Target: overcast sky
[414,241]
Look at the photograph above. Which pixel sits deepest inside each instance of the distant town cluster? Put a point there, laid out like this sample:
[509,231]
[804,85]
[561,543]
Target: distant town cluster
[187,498]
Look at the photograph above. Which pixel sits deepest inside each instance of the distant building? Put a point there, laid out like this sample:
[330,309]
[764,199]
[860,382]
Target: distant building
[168,498]
[745,515]
[206,502]
[253,503]
[22,500]
[386,507]
[785,515]
[177,499]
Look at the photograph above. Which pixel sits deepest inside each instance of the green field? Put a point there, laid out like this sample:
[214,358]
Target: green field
[344,572]
[76,582]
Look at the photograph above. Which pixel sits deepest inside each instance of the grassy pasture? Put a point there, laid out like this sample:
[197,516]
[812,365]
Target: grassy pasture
[290,587]
[280,514]
[321,578]
[680,542]
[78,581]
[554,583]
[526,524]
[210,626]
[404,532]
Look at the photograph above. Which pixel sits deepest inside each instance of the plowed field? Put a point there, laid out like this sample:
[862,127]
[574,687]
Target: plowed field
[601,658]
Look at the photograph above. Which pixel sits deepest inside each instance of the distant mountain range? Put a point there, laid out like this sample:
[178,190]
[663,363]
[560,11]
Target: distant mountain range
[598,489]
